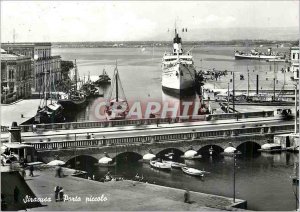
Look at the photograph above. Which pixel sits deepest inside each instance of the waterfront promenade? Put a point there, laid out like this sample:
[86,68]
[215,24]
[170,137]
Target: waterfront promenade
[121,195]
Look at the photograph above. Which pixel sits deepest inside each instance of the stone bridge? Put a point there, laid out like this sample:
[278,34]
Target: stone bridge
[155,147]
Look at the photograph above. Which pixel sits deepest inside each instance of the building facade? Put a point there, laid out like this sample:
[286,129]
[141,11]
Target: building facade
[16,72]
[295,62]
[42,61]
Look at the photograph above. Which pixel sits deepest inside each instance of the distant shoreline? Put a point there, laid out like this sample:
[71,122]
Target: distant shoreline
[141,44]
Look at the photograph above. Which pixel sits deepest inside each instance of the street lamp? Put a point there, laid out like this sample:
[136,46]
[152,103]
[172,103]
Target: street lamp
[234,165]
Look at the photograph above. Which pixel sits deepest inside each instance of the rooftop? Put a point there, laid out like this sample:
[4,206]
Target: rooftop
[10,57]
[27,44]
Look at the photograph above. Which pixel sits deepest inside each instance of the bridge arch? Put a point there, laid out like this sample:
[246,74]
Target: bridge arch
[204,151]
[82,162]
[127,157]
[249,148]
[177,153]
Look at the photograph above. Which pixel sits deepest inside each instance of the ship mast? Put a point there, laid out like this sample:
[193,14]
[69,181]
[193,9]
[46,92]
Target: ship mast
[75,76]
[117,94]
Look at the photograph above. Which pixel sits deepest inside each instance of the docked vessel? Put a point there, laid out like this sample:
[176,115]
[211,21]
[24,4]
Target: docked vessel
[255,55]
[178,71]
[74,99]
[160,165]
[104,79]
[48,113]
[175,165]
[116,105]
[193,172]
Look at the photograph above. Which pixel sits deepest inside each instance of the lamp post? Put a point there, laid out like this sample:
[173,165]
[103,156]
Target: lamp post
[234,165]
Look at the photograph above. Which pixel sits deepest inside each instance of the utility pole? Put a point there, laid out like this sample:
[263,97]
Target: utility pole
[233,93]
[228,97]
[248,87]
[296,109]
[234,176]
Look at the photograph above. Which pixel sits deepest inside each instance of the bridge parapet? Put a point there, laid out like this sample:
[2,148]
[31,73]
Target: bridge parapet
[138,122]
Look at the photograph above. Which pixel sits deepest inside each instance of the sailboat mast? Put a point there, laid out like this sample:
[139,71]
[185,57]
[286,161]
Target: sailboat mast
[50,84]
[45,86]
[75,76]
[117,93]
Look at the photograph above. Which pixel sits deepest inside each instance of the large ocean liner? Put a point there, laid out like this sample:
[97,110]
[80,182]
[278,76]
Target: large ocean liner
[178,71]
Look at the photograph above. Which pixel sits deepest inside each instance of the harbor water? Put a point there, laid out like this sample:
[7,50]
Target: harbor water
[264,180]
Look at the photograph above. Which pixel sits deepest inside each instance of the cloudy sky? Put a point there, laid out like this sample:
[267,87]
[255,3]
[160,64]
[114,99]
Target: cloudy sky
[133,20]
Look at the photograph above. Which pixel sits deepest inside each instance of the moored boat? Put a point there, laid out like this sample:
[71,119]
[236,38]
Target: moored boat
[175,164]
[74,99]
[271,147]
[193,172]
[104,79]
[116,108]
[48,113]
[160,165]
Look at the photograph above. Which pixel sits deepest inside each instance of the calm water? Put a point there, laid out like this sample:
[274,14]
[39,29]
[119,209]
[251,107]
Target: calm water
[262,179]
[140,71]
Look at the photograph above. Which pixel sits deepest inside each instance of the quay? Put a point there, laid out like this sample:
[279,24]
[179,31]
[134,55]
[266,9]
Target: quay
[120,195]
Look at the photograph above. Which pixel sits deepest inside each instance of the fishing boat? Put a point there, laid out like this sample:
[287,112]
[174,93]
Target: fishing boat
[160,165]
[75,99]
[255,55]
[178,71]
[175,165]
[104,79]
[116,105]
[48,113]
[193,172]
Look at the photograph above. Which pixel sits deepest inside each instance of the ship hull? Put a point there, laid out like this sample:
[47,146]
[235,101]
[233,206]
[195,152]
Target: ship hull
[255,57]
[178,79]
[71,104]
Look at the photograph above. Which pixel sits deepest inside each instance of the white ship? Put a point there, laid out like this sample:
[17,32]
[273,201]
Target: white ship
[178,71]
[255,55]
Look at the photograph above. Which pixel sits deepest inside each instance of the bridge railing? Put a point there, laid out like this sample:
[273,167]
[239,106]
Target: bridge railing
[137,122]
[65,144]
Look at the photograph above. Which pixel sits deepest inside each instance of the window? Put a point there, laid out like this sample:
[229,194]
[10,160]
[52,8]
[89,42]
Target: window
[294,55]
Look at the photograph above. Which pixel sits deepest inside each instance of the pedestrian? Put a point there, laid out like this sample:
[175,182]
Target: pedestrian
[94,178]
[2,161]
[31,171]
[23,173]
[16,194]
[61,194]
[56,191]
[187,196]
[88,136]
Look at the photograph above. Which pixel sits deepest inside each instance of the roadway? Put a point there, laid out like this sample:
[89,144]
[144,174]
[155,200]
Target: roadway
[128,131]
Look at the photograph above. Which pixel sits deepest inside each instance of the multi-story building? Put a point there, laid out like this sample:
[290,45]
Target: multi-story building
[43,61]
[295,62]
[16,72]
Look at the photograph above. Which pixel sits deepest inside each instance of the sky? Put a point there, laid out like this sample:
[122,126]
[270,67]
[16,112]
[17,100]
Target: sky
[57,21]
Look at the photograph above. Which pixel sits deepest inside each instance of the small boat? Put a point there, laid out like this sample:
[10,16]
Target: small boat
[169,155]
[160,165]
[193,172]
[104,79]
[116,108]
[175,164]
[271,147]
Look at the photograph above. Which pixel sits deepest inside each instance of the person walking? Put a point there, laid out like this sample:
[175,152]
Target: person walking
[23,173]
[31,171]
[56,191]
[187,196]
[61,194]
